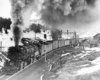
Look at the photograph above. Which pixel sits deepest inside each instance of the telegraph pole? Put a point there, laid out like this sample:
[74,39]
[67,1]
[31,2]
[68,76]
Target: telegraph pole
[1,42]
[45,47]
[45,36]
[75,38]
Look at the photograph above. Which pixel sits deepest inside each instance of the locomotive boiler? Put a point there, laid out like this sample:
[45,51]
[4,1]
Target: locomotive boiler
[23,55]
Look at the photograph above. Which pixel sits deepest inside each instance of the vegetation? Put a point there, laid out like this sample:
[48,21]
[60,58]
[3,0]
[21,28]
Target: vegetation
[5,23]
[37,28]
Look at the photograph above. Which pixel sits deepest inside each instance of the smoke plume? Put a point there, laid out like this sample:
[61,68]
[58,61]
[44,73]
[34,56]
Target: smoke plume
[20,15]
[65,13]
[79,15]
[21,12]
[61,11]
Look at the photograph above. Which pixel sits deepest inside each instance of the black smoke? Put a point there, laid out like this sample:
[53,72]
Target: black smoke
[58,12]
[17,33]
[53,12]
[21,11]
[18,22]
[91,2]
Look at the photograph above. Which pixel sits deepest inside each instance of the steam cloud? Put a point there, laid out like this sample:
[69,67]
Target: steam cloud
[21,10]
[60,11]
[52,12]
[17,20]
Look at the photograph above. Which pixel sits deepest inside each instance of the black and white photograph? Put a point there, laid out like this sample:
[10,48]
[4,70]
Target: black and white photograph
[49,39]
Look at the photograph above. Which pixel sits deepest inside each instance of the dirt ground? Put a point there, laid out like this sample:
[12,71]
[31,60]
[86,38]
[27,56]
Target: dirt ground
[74,65]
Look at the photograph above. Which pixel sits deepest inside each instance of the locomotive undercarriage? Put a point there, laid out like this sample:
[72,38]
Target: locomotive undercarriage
[13,66]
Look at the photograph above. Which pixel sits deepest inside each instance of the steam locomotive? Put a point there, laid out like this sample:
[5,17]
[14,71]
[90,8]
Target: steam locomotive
[23,55]
[31,50]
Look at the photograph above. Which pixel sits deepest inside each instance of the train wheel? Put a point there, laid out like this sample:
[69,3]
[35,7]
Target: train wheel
[25,63]
[37,55]
[28,60]
[21,65]
[33,58]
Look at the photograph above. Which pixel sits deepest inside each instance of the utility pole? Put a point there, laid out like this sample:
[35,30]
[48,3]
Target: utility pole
[45,36]
[1,46]
[1,42]
[45,46]
[75,38]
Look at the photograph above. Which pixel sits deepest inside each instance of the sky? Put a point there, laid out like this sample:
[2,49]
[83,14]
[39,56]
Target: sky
[84,30]
[5,9]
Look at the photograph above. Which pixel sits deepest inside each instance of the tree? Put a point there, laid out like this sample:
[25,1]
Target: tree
[36,28]
[5,23]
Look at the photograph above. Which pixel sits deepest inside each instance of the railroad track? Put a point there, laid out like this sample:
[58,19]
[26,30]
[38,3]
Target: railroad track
[49,55]
[37,65]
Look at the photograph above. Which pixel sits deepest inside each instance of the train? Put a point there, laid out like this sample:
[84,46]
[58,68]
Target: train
[31,50]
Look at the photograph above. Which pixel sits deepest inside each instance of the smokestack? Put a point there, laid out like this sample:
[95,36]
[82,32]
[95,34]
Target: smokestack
[21,13]
[17,21]
[17,35]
